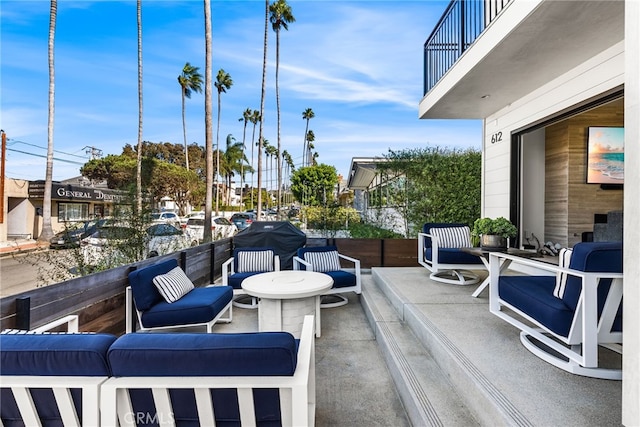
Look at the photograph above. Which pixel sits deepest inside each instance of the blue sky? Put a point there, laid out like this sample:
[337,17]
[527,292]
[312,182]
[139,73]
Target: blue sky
[357,64]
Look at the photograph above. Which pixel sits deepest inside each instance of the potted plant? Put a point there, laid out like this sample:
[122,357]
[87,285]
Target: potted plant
[493,233]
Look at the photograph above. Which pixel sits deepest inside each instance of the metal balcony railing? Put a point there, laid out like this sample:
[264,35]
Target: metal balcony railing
[460,25]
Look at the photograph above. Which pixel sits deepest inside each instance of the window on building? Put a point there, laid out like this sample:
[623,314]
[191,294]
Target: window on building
[73,211]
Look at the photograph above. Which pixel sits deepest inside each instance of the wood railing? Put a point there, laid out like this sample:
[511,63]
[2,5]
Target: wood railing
[98,299]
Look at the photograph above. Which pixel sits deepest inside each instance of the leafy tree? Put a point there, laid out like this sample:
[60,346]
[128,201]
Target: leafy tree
[47,230]
[119,171]
[223,82]
[307,115]
[174,181]
[439,185]
[281,17]
[190,81]
[315,184]
[233,162]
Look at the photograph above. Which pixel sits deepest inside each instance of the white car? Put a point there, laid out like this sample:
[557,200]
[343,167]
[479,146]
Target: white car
[221,228]
[111,246]
[165,218]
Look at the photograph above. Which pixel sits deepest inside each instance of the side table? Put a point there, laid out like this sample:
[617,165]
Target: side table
[286,297]
[483,254]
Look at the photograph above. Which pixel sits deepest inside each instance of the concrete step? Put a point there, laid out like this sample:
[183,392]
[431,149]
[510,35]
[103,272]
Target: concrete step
[426,392]
[437,336]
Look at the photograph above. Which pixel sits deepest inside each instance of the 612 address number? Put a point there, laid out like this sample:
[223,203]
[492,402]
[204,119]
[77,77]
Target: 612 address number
[496,137]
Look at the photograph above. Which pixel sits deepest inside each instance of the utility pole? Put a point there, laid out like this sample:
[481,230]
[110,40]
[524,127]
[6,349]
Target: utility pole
[93,152]
[2,164]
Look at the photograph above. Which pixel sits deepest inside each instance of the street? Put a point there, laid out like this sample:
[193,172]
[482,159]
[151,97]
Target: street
[27,271]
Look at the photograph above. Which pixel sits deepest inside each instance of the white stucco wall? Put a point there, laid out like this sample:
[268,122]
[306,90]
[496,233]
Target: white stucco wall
[601,74]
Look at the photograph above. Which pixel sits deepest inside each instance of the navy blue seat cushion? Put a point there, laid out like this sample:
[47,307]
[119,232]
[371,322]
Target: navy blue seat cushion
[50,355]
[533,295]
[452,256]
[342,279]
[235,280]
[145,293]
[191,354]
[200,305]
[55,354]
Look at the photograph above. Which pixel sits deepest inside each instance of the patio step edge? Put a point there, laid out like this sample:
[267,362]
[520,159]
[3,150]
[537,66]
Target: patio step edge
[485,401]
[427,395]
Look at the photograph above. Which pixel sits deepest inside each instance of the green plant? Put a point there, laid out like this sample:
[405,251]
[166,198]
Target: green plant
[499,226]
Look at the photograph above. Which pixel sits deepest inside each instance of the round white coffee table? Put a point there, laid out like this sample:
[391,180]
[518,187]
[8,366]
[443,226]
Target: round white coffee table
[286,297]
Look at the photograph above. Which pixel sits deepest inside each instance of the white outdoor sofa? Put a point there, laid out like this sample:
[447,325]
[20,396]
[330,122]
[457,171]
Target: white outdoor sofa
[164,378]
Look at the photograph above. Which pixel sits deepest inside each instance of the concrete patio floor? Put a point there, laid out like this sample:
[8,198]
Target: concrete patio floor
[410,351]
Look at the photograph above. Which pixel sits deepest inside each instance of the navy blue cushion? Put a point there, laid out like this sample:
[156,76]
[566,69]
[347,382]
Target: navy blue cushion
[201,305]
[145,293]
[191,354]
[248,249]
[303,251]
[235,280]
[533,295]
[593,256]
[55,354]
[342,279]
[451,256]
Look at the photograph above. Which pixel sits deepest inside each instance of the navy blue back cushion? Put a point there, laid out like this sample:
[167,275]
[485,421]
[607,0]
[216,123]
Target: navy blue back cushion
[192,354]
[145,293]
[592,256]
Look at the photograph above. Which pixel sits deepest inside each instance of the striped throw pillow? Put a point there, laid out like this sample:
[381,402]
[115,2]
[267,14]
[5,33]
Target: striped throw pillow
[564,258]
[323,261]
[173,285]
[452,237]
[255,261]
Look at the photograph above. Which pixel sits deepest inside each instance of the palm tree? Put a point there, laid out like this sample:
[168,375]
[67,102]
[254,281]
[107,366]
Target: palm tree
[47,231]
[310,138]
[233,161]
[246,117]
[307,115]
[190,80]
[223,82]
[255,118]
[139,158]
[281,17]
[262,96]
[208,110]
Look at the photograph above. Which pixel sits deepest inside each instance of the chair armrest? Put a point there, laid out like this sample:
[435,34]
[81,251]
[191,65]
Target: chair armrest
[227,270]
[297,261]
[71,321]
[356,262]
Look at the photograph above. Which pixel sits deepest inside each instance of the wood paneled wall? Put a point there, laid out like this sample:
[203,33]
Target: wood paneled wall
[570,203]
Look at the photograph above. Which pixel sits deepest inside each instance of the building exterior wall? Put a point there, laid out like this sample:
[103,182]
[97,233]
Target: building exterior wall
[600,75]
[631,355]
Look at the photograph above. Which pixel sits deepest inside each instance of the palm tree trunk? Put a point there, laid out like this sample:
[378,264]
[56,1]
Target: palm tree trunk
[184,134]
[47,231]
[253,169]
[139,160]
[279,171]
[218,160]
[208,108]
[262,96]
[304,144]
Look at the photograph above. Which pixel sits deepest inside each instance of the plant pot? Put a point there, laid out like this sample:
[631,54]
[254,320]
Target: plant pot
[493,242]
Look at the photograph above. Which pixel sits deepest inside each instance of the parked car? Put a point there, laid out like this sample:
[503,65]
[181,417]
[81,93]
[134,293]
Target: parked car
[115,245]
[166,217]
[243,220]
[184,219]
[71,236]
[221,228]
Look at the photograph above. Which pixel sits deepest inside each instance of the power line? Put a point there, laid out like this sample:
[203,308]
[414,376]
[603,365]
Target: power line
[41,155]
[45,148]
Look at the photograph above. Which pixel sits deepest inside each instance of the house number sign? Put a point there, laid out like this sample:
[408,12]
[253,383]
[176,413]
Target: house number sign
[496,137]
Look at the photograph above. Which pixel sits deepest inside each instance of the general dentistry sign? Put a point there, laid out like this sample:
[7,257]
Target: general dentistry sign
[75,193]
